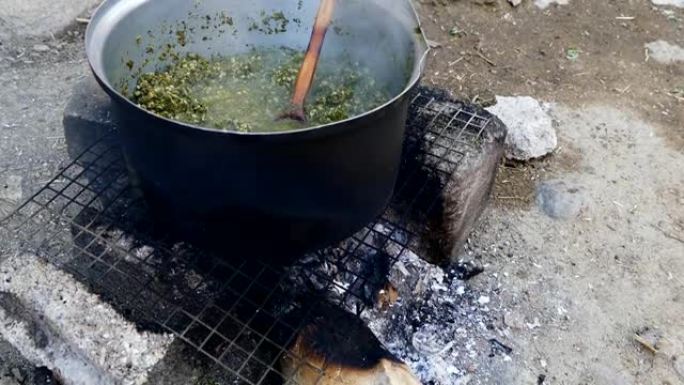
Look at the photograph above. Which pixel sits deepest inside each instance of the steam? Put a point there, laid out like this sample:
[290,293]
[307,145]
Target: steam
[382,35]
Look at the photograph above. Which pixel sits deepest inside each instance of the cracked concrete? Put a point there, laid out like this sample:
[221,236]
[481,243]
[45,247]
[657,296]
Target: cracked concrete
[55,321]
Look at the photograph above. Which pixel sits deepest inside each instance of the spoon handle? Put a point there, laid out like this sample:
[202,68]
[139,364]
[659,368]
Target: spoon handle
[313,52]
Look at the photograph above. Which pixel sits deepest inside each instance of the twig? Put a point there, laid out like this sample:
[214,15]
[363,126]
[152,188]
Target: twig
[511,197]
[645,343]
[625,18]
[82,20]
[456,61]
[483,57]
[622,91]
[668,235]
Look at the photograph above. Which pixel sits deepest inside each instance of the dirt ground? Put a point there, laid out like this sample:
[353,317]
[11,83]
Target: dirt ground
[489,47]
[573,293]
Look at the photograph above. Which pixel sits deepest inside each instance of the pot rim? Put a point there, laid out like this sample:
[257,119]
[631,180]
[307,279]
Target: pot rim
[418,69]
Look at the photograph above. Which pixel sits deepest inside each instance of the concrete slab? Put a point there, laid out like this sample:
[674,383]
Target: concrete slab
[32,145]
[39,18]
[55,321]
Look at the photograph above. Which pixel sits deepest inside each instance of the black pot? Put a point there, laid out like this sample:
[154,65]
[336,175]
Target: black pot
[272,194]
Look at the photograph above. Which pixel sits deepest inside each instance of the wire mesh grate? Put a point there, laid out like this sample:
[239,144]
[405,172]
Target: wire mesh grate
[89,221]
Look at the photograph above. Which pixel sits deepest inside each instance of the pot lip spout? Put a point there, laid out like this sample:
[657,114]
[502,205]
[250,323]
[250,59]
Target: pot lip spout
[100,15]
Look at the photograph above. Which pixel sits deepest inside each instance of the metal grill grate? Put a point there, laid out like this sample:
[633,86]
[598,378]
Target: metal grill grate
[90,222]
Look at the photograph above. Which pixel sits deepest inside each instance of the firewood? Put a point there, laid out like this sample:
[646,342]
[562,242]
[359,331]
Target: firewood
[335,347]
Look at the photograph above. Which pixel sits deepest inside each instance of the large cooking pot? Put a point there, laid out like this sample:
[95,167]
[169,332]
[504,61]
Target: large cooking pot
[278,193]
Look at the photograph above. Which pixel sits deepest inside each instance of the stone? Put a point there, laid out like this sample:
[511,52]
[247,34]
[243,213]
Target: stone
[40,18]
[530,128]
[674,3]
[87,116]
[560,199]
[664,52]
[41,48]
[543,4]
[515,3]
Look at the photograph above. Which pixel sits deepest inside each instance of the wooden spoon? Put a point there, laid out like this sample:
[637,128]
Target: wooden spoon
[308,68]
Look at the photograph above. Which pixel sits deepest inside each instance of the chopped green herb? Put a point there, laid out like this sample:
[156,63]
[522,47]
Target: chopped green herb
[248,92]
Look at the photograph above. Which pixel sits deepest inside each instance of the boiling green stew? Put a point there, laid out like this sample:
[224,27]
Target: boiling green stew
[248,92]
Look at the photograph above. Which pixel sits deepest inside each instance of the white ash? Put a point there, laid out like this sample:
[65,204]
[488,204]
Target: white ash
[439,327]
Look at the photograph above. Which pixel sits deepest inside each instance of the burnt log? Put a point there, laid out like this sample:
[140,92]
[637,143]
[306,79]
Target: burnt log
[451,156]
[335,347]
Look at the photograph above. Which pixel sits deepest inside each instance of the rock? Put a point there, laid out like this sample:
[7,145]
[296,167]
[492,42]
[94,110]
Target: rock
[543,4]
[10,188]
[530,128]
[674,3]
[515,3]
[664,52]
[41,48]
[560,199]
[87,116]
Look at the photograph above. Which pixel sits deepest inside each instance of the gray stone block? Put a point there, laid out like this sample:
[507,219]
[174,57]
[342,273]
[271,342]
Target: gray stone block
[87,116]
